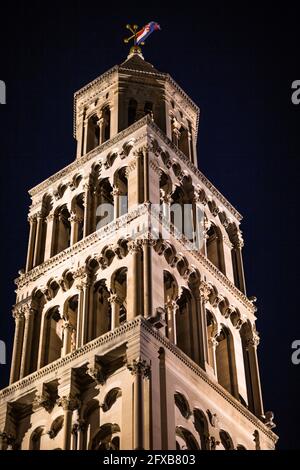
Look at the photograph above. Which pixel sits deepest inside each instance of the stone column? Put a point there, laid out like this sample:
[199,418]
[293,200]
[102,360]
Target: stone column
[80,134]
[204,291]
[50,236]
[239,262]
[67,336]
[38,240]
[171,308]
[115,303]
[251,348]
[116,196]
[212,344]
[75,221]
[27,341]
[83,285]
[17,348]
[147,271]
[32,231]
[85,136]
[133,287]
[146,197]
[87,229]
[69,404]
[140,370]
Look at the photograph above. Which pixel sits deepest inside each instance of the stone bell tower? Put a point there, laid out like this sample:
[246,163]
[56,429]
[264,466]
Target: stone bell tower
[133,327]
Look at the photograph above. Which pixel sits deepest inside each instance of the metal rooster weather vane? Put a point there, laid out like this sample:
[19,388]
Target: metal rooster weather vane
[139,36]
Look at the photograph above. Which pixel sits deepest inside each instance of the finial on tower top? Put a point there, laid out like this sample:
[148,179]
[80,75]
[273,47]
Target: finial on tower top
[139,36]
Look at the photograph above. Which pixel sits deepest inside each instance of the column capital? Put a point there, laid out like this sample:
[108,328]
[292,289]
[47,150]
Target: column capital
[205,291]
[134,246]
[139,366]
[115,299]
[68,402]
[43,400]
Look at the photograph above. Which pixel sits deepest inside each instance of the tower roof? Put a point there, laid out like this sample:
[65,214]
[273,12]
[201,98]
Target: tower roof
[136,62]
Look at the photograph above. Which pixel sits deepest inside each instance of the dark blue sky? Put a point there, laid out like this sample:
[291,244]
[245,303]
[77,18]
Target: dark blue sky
[237,64]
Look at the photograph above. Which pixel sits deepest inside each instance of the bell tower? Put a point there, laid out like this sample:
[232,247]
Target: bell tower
[133,329]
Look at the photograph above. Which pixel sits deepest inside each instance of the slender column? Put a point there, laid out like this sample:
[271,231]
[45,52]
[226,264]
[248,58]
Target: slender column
[69,404]
[83,286]
[140,370]
[147,270]
[50,236]
[115,303]
[212,344]
[38,239]
[191,156]
[239,261]
[116,195]
[204,291]
[67,337]
[171,308]
[146,175]
[32,232]
[85,136]
[87,209]
[75,221]
[251,347]
[133,275]
[27,341]
[101,133]
[17,348]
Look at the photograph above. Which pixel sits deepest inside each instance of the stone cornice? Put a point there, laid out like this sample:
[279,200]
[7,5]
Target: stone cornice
[141,326]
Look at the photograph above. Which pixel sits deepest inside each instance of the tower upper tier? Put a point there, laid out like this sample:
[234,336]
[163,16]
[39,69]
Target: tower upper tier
[126,93]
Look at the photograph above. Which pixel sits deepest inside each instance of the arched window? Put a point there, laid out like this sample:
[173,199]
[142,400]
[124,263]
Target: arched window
[35,438]
[70,325]
[62,230]
[185,439]
[183,141]
[225,358]
[104,204]
[184,320]
[107,438]
[182,404]
[132,111]
[214,246]
[119,297]
[226,440]
[148,108]
[53,336]
[101,310]
[93,133]
[201,426]
[171,307]
[77,219]
[211,326]
[120,192]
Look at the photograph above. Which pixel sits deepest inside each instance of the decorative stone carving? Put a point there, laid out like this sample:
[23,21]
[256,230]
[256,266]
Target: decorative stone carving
[68,402]
[139,366]
[43,401]
[269,417]
[205,291]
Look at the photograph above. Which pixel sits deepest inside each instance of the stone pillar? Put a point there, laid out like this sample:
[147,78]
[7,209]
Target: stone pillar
[85,135]
[251,348]
[116,196]
[38,239]
[140,370]
[69,404]
[32,231]
[87,229]
[17,348]
[171,308]
[50,236]
[115,303]
[212,345]
[190,145]
[83,285]
[134,277]
[27,341]
[67,336]
[147,276]
[75,221]
[239,263]
[146,197]
[80,134]
[204,291]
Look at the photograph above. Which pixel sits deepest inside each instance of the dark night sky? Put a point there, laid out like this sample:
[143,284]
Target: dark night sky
[237,64]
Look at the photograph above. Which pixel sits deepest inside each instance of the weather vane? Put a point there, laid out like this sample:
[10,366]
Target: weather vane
[139,36]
